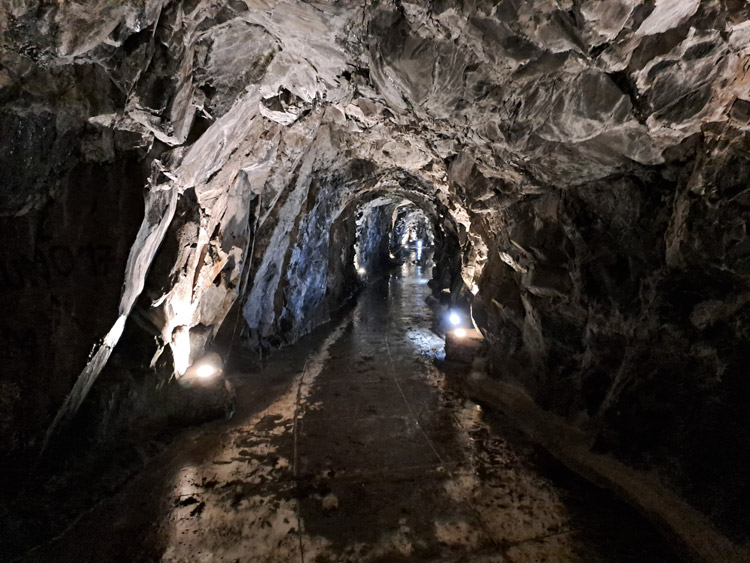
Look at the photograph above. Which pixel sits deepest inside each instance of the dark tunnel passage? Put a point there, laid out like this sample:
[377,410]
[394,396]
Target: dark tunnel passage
[352,446]
[374,281]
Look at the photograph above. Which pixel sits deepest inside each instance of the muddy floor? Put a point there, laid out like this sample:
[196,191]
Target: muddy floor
[353,446]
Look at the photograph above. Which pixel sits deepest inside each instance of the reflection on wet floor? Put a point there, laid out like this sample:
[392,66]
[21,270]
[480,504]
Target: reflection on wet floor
[370,455]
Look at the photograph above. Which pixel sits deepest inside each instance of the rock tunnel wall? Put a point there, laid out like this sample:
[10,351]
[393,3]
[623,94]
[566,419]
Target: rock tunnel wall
[585,164]
[373,236]
[610,310]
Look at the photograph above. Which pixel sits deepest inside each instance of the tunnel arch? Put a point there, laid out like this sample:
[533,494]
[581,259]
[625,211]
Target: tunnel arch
[443,226]
[315,271]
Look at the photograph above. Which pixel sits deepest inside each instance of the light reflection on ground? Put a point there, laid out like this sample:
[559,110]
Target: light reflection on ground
[367,454]
[426,342]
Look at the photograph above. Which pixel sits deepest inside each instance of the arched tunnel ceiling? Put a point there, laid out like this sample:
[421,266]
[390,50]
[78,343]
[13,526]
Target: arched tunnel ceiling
[591,154]
[530,93]
[336,194]
[495,100]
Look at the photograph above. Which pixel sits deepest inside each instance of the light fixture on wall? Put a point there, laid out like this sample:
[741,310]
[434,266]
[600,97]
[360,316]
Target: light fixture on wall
[454,318]
[203,370]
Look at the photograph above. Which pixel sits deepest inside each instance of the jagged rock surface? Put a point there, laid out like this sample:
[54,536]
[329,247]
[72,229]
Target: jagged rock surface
[590,158]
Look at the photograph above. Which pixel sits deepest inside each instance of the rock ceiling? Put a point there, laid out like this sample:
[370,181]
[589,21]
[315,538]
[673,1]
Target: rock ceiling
[588,156]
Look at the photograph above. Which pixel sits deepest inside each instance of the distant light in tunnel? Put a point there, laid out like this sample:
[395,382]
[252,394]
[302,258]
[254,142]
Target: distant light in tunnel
[460,332]
[361,271]
[454,318]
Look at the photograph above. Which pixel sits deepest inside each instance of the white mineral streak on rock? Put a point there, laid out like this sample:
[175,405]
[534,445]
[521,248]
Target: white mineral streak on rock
[605,20]
[667,15]
[160,206]
[740,36]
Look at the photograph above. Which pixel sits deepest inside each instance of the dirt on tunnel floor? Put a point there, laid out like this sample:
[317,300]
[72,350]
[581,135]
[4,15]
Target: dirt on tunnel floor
[366,452]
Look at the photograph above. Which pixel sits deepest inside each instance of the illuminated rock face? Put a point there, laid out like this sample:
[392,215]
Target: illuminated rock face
[589,158]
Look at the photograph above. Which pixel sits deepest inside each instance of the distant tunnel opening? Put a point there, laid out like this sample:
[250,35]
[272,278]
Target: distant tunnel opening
[387,230]
[411,228]
[384,226]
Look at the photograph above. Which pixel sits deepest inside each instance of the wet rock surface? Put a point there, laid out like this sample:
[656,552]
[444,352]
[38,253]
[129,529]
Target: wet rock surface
[583,165]
[368,454]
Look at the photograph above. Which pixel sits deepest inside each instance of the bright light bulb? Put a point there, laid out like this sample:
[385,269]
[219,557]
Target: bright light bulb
[362,271]
[460,332]
[454,318]
[205,371]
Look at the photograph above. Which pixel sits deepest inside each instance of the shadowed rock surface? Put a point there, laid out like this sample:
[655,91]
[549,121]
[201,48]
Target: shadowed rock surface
[183,176]
[368,455]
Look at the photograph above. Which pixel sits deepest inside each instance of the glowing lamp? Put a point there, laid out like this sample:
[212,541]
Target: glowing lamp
[454,318]
[362,271]
[205,371]
[460,332]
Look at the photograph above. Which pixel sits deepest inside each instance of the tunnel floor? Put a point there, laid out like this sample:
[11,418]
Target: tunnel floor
[353,446]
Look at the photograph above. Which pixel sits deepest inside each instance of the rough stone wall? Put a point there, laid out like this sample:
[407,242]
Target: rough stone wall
[60,286]
[373,237]
[585,162]
[612,307]
[71,203]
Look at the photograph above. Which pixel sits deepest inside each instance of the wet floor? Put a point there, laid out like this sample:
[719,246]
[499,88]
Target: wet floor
[353,446]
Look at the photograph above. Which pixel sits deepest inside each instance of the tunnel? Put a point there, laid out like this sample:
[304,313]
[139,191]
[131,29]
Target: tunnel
[377,280]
